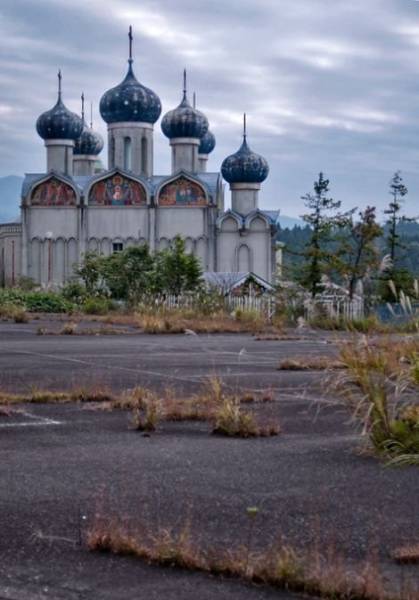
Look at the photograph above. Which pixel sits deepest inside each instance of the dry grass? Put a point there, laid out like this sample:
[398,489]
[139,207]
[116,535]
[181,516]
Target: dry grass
[377,387]
[72,328]
[40,396]
[181,321]
[407,554]
[69,328]
[230,420]
[280,566]
[14,313]
[311,363]
[212,405]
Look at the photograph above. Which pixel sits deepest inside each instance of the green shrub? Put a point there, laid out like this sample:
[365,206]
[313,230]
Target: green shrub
[12,299]
[96,306]
[74,291]
[49,302]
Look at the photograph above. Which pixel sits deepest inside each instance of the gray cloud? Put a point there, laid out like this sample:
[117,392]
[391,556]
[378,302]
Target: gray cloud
[328,84]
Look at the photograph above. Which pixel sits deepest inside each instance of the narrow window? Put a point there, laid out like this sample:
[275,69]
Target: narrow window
[117,247]
[112,153]
[127,154]
[144,157]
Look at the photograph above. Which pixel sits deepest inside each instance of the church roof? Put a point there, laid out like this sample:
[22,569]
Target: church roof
[59,123]
[229,280]
[185,121]
[273,215]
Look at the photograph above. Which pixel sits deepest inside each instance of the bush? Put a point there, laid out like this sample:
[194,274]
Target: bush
[75,292]
[50,302]
[96,306]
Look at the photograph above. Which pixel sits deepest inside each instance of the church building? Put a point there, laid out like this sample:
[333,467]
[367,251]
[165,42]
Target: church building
[76,206]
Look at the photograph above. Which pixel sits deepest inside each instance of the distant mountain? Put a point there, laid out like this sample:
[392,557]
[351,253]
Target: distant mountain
[10,188]
[290,222]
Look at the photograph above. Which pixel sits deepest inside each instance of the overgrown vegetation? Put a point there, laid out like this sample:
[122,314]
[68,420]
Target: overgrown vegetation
[149,410]
[280,566]
[380,386]
[213,405]
[356,253]
[135,273]
[13,299]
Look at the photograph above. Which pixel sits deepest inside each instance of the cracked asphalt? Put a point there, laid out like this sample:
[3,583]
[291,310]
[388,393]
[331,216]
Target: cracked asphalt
[62,463]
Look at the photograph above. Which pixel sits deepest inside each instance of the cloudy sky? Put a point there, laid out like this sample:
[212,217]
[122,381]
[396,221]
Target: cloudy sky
[328,85]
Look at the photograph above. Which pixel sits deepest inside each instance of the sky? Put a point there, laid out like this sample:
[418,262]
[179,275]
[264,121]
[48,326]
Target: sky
[328,85]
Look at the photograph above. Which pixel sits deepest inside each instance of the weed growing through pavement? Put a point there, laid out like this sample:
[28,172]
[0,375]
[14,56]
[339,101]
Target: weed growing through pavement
[311,363]
[222,411]
[69,328]
[180,320]
[279,565]
[377,386]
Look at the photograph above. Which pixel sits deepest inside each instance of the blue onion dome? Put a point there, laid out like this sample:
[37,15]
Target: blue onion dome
[90,142]
[130,101]
[185,121]
[245,166]
[207,144]
[59,123]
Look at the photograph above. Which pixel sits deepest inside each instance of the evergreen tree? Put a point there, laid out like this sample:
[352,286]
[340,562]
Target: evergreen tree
[176,270]
[323,221]
[129,274]
[398,273]
[397,191]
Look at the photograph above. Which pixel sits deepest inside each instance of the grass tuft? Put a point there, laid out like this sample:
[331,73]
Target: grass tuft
[310,363]
[407,554]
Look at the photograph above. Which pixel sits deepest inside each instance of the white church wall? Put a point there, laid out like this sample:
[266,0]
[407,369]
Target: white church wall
[228,240]
[10,254]
[51,262]
[187,222]
[113,222]
[71,257]
[34,262]
[59,222]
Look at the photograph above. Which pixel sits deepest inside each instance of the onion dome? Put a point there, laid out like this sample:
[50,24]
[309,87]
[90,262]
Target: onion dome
[59,123]
[130,101]
[245,166]
[185,121]
[90,142]
[207,144]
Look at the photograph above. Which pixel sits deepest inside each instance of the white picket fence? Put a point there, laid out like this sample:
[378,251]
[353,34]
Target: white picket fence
[263,304]
[335,307]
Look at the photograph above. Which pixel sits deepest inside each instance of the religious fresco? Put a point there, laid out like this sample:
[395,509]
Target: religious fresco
[53,193]
[117,191]
[182,192]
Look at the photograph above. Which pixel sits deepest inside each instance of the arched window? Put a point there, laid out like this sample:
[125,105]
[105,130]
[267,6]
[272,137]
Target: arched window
[127,154]
[144,157]
[243,259]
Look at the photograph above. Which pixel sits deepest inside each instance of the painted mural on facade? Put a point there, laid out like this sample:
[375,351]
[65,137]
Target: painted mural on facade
[53,193]
[117,191]
[182,192]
